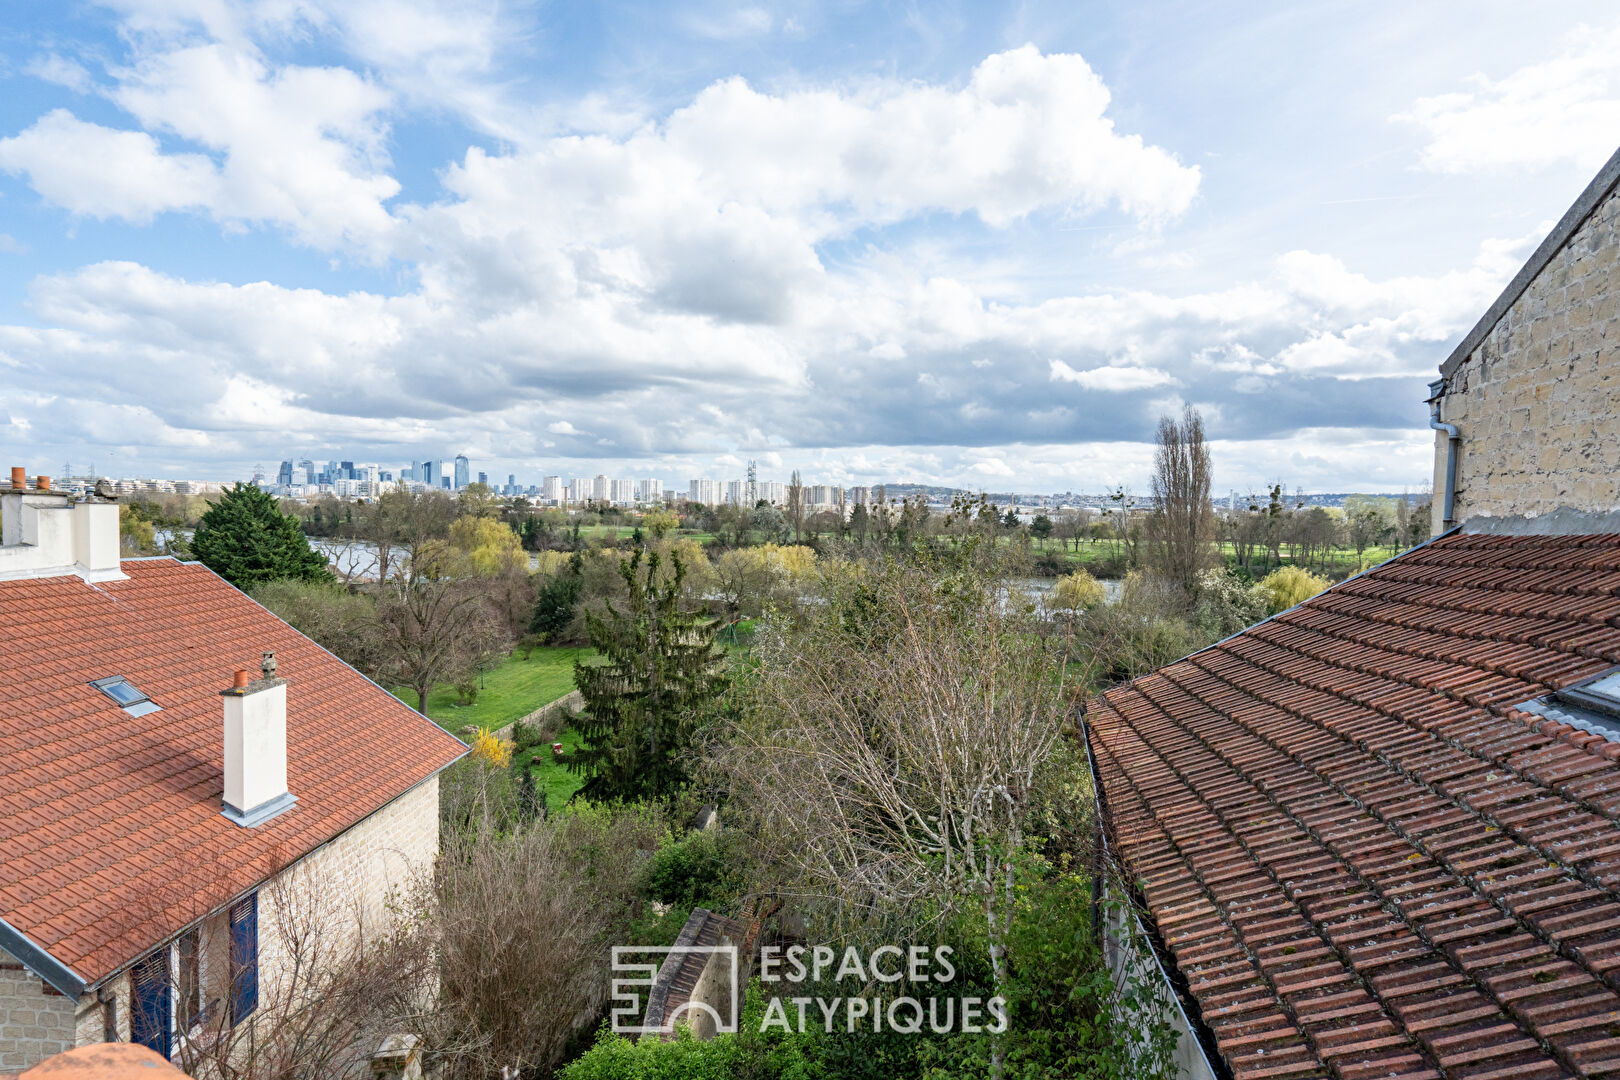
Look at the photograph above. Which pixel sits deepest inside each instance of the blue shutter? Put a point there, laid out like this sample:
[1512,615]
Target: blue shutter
[244,958]
[149,1022]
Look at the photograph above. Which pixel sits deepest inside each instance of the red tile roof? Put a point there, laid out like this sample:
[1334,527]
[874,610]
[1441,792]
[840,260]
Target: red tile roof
[1364,860]
[111,838]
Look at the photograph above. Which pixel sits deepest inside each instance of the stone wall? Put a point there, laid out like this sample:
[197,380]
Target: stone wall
[35,1020]
[1537,402]
[343,888]
[548,717]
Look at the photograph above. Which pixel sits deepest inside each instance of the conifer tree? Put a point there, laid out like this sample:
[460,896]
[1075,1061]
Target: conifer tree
[641,706]
[529,798]
[247,540]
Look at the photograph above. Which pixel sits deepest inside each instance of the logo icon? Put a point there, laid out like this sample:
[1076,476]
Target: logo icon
[694,983]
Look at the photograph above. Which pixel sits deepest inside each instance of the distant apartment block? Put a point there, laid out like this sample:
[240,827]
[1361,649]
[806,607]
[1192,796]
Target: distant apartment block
[704,492]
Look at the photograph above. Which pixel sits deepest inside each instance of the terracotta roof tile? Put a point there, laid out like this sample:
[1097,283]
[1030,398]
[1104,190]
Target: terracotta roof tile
[1363,857]
[111,838]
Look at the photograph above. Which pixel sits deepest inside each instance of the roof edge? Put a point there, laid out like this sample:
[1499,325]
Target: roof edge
[1204,1039]
[1581,209]
[40,962]
[1455,529]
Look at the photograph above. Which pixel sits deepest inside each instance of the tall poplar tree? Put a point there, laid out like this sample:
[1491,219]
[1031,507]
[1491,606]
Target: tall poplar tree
[641,706]
[247,540]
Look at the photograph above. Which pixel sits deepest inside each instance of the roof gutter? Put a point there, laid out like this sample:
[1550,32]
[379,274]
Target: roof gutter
[1437,393]
[40,962]
[1175,984]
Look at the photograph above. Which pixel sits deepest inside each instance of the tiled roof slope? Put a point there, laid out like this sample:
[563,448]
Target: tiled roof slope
[111,838]
[1363,859]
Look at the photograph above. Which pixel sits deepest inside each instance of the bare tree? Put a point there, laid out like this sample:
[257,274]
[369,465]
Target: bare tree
[1181,529]
[892,741]
[326,988]
[521,922]
[436,622]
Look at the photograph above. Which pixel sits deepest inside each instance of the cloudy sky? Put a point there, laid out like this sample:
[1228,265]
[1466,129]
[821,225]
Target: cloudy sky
[980,245]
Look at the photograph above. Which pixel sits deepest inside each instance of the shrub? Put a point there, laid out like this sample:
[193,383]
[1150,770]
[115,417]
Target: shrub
[1078,591]
[750,1054]
[492,751]
[1049,564]
[1225,604]
[527,644]
[698,870]
[521,923]
[1289,585]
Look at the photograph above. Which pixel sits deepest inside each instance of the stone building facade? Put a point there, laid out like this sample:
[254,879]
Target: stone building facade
[1533,391]
[344,887]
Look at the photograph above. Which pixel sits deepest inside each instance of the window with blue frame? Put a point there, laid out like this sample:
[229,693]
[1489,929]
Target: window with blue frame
[244,958]
[151,1002]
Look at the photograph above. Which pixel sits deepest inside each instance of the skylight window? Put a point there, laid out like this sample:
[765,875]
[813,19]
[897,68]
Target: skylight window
[1592,706]
[1601,694]
[122,691]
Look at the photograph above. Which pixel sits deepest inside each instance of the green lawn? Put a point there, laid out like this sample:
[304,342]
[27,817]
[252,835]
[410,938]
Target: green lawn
[551,776]
[1340,562]
[516,688]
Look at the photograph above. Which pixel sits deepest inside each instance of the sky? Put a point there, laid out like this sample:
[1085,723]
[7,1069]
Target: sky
[977,245]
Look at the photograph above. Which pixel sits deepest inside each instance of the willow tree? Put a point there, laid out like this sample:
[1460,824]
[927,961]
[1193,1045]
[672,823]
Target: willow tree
[660,675]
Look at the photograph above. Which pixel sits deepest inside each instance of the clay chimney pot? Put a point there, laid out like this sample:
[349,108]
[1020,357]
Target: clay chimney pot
[243,677]
[17,480]
[43,483]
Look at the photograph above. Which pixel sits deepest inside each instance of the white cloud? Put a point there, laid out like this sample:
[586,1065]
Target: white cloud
[1111,377]
[60,70]
[300,147]
[103,172]
[1566,108]
[665,286]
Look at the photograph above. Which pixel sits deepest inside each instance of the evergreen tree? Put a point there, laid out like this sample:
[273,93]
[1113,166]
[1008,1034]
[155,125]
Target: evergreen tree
[556,599]
[530,802]
[643,704]
[246,539]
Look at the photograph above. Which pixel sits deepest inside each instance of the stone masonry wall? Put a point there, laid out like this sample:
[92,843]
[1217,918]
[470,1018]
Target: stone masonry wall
[344,889]
[35,1020]
[1538,401]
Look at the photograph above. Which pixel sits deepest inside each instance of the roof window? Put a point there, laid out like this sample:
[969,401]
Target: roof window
[1592,705]
[1601,694]
[123,692]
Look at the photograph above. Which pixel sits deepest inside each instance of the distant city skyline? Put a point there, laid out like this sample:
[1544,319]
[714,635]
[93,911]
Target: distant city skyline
[981,246]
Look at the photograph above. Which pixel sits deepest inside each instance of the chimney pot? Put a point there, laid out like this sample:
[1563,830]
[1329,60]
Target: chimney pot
[17,477]
[243,677]
[43,483]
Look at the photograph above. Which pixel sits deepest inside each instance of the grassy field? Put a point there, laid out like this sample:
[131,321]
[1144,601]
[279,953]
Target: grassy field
[551,776]
[1342,560]
[516,688]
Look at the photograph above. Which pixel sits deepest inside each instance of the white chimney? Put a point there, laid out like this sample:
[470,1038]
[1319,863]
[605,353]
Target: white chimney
[45,533]
[256,747]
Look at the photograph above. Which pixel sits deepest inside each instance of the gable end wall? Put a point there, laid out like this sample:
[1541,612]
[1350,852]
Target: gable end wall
[1537,401]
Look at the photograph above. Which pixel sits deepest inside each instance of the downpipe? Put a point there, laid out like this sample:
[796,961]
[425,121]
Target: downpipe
[1437,390]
